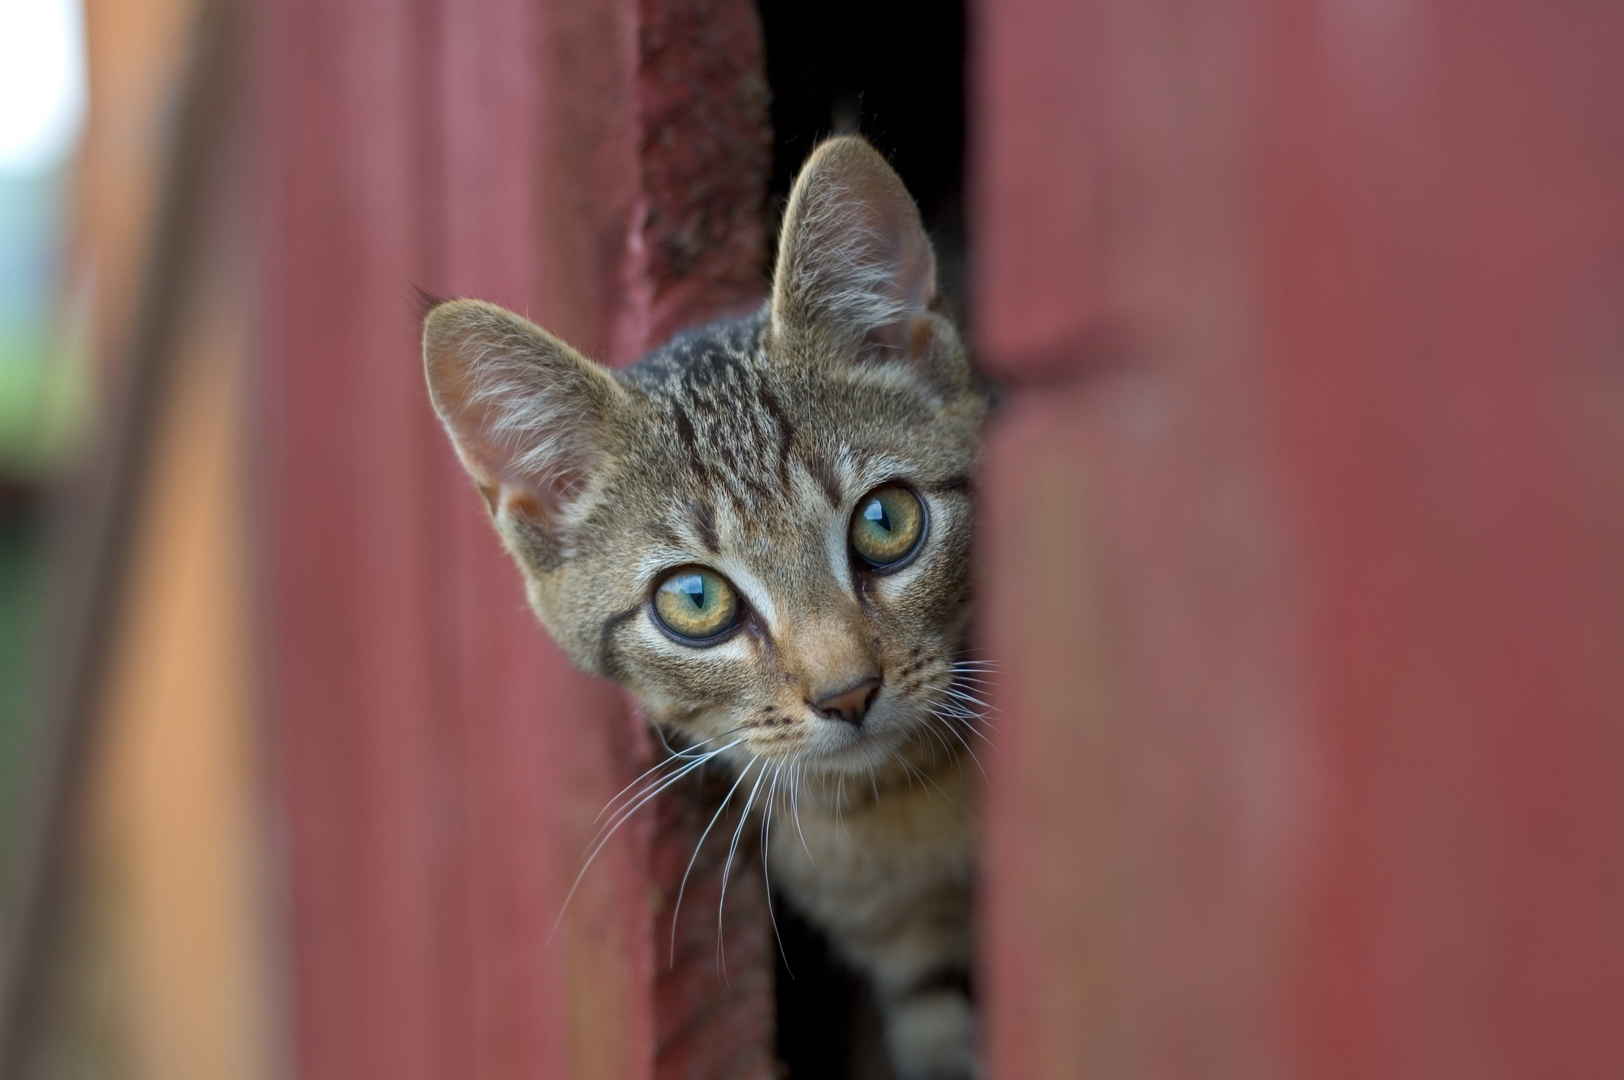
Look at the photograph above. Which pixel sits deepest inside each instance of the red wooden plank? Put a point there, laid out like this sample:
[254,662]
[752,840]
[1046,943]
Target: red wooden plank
[1303,541]
[535,214]
[1467,562]
[346,590]
[600,167]
[611,189]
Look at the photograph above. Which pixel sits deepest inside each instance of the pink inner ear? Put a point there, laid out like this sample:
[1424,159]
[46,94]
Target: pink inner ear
[915,262]
[526,413]
[489,462]
[887,209]
[855,255]
[912,281]
[493,467]
[523,503]
[519,502]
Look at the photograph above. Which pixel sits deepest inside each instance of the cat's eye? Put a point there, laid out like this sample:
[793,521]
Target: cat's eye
[695,605]
[887,527]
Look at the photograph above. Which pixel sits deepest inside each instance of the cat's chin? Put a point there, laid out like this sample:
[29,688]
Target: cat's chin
[856,753]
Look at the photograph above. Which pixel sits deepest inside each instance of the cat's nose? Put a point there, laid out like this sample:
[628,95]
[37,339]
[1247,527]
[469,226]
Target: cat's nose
[851,703]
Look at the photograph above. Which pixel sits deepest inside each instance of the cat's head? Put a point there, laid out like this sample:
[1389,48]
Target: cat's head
[762,529]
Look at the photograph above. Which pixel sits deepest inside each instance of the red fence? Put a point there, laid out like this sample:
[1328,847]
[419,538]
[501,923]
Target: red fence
[1302,555]
[1305,550]
[601,167]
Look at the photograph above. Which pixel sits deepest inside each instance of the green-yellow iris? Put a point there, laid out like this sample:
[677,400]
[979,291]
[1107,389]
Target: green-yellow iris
[693,602]
[887,525]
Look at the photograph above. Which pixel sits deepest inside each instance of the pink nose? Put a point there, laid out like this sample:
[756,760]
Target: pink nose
[851,703]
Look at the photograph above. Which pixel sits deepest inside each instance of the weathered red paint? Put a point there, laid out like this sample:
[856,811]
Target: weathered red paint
[354,677]
[439,765]
[1304,534]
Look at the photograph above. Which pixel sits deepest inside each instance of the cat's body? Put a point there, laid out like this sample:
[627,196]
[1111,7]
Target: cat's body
[762,530]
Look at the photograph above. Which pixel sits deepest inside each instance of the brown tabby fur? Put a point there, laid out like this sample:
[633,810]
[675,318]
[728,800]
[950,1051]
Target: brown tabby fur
[744,447]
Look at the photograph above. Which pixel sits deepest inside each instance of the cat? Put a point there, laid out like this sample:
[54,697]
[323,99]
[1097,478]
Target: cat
[762,530]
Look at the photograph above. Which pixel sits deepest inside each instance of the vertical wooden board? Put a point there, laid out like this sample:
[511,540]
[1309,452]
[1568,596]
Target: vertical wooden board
[704,154]
[600,168]
[1302,539]
[538,167]
[346,590]
[1446,230]
[1139,592]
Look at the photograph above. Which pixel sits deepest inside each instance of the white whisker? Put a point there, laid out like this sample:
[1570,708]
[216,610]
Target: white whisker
[915,774]
[959,705]
[965,696]
[727,867]
[607,832]
[766,872]
[677,907]
[686,753]
[962,741]
[653,788]
[795,807]
[946,747]
[972,721]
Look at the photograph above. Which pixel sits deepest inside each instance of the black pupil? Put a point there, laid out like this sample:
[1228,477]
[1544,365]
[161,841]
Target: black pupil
[694,586]
[875,512]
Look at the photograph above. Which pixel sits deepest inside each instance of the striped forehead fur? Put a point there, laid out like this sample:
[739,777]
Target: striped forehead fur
[726,402]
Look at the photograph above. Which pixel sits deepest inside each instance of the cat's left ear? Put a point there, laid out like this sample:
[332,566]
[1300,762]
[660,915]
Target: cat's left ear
[855,268]
[531,418]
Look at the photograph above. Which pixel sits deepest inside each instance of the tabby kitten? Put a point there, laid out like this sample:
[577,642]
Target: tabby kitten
[762,530]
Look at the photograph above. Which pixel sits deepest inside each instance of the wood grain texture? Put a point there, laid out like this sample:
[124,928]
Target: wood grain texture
[356,678]
[440,764]
[1304,522]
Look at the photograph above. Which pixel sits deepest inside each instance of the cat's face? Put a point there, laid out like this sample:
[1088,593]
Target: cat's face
[762,530]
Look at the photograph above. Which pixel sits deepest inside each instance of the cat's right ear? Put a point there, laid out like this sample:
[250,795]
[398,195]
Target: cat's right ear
[529,416]
[854,263]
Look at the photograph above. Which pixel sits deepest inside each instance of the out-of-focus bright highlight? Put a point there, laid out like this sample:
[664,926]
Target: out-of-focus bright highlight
[42,82]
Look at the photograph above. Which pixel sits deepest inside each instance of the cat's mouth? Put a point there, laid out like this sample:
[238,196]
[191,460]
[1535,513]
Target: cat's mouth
[843,747]
[939,719]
